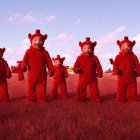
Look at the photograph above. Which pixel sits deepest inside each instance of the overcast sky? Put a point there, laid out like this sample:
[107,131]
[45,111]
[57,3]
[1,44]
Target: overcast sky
[67,22]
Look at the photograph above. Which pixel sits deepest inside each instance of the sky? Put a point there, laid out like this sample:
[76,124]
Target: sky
[66,22]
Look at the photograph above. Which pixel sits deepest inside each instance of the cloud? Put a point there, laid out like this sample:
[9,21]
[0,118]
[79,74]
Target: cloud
[136,48]
[112,36]
[13,17]
[14,55]
[31,18]
[92,20]
[62,39]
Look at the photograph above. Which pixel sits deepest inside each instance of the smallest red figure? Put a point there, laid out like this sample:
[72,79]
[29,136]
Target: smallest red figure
[18,69]
[60,73]
[4,74]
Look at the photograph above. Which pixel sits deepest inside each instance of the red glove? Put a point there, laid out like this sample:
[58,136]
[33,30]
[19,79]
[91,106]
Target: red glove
[100,75]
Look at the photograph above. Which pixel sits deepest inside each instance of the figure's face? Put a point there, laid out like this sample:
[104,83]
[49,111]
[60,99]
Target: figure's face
[37,42]
[87,49]
[1,54]
[126,47]
[58,63]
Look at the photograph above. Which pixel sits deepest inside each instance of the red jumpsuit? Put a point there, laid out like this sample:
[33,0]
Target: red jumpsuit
[4,74]
[37,60]
[86,66]
[18,69]
[127,67]
[60,73]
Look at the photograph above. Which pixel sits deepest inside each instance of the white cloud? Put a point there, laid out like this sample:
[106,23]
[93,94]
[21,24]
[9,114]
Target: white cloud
[13,17]
[50,18]
[14,55]
[92,20]
[31,18]
[136,48]
[62,39]
[112,36]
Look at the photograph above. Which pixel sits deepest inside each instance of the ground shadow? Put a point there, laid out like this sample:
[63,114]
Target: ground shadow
[18,98]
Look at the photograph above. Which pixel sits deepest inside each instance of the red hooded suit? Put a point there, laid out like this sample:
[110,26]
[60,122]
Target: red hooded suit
[4,74]
[37,60]
[88,67]
[18,69]
[60,73]
[126,65]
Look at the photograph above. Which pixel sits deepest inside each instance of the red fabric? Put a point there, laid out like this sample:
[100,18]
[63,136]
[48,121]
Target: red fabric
[58,58]
[4,74]
[18,69]
[127,67]
[126,39]
[88,68]
[37,33]
[87,41]
[60,73]
[37,60]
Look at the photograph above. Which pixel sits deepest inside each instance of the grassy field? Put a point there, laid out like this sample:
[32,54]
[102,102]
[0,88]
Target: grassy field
[68,119]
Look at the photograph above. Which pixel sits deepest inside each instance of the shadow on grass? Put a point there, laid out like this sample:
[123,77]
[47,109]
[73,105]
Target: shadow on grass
[18,98]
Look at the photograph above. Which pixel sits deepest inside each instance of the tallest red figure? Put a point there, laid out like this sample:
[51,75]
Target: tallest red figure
[37,59]
[126,66]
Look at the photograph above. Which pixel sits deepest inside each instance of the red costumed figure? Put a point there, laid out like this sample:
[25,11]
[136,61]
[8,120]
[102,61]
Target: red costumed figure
[18,69]
[60,73]
[37,59]
[111,61]
[4,74]
[126,66]
[88,67]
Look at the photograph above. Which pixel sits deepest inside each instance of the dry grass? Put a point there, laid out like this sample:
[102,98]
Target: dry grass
[67,119]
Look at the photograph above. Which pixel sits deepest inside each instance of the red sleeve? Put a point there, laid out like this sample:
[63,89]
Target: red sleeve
[49,63]
[116,69]
[8,71]
[25,61]
[66,73]
[13,69]
[76,65]
[137,65]
[99,67]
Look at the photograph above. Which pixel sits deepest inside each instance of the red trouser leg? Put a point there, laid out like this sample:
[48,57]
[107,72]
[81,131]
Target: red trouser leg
[54,89]
[32,91]
[41,95]
[82,86]
[132,91]
[63,89]
[4,92]
[20,76]
[121,90]
[94,91]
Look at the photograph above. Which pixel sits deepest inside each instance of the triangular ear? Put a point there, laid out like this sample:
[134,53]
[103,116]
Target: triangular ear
[29,35]
[45,36]
[3,49]
[80,44]
[53,58]
[118,42]
[133,42]
[95,43]
[63,58]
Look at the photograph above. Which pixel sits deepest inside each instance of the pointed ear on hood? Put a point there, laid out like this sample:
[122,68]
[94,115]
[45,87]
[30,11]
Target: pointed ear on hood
[45,36]
[63,58]
[118,42]
[29,35]
[133,42]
